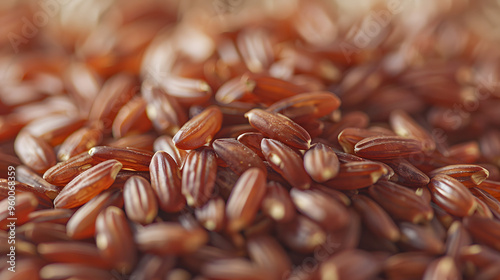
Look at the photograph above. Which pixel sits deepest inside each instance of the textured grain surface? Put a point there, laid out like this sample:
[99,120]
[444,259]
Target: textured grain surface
[212,215]
[387,147]
[82,223]
[247,140]
[139,200]
[62,173]
[199,130]
[451,195]
[198,176]
[286,162]
[468,174]
[78,142]
[401,202]
[130,158]
[279,127]
[162,109]
[252,140]
[34,152]
[165,143]
[407,174]
[27,176]
[236,155]
[405,126]
[88,184]
[245,199]
[115,240]
[321,163]
[306,106]
[277,204]
[325,210]
[166,182]
[357,175]
[375,218]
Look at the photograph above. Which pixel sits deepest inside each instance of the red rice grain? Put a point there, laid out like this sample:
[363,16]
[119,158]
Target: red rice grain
[243,140]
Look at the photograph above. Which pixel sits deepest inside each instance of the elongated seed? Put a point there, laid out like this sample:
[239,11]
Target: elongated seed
[34,152]
[199,130]
[286,162]
[387,147]
[245,199]
[400,202]
[237,156]
[306,106]
[114,239]
[279,127]
[321,163]
[88,184]
[357,175]
[82,224]
[130,158]
[198,176]
[451,195]
[139,200]
[468,174]
[166,182]
[62,173]
[375,218]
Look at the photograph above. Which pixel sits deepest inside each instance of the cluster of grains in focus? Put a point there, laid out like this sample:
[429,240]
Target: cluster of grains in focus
[251,140]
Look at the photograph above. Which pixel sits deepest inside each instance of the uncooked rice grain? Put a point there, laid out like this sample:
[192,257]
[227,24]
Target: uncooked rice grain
[304,139]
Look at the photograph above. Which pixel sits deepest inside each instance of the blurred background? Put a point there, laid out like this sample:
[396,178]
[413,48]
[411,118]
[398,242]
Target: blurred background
[437,58]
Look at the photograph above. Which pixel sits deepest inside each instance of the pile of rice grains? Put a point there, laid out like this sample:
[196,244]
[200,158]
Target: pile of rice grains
[230,139]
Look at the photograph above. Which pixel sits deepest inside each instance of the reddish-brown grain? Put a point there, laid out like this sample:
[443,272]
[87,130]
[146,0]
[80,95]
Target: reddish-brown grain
[245,199]
[199,130]
[166,182]
[286,162]
[139,200]
[279,127]
[88,184]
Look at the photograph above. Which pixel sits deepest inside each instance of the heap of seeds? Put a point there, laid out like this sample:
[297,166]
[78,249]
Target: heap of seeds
[250,139]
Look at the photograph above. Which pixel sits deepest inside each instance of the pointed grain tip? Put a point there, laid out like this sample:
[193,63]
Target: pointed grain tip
[116,168]
[330,273]
[277,212]
[189,199]
[472,250]
[480,176]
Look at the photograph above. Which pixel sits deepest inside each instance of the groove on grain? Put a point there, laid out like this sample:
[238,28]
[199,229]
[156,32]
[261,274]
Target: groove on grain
[88,184]
[115,240]
[245,199]
[166,182]
[286,162]
[199,130]
[139,200]
[130,158]
[82,224]
[279,127]
[198,176]
[321,163]
[387,147]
